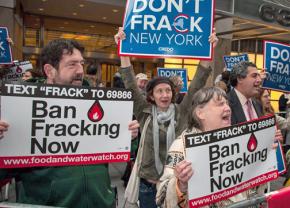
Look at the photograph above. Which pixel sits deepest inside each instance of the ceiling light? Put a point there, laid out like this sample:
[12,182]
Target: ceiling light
[82,37]
[43,0]
[104,18]
[92,26]
[81,5]
[68,36]
[115,10]
[40,9]
[75,13]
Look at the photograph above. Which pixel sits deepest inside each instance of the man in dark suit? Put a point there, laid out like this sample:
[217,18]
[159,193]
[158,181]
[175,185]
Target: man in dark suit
[246,80]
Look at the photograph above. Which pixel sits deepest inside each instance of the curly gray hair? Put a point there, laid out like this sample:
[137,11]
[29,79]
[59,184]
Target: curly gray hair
[240,70]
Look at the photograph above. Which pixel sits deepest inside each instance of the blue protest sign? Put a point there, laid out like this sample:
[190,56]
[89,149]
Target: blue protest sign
[277,64]
[230,61]
[5,50]
[169,72]
[168,28]
[280,159]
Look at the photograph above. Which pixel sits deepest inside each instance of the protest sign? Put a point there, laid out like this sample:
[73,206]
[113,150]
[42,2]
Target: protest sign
[234,159]
[230,61]
[281,164]
[168,28]
[62,125]
[277,64]
[5,49]
[169,72]
[17,71]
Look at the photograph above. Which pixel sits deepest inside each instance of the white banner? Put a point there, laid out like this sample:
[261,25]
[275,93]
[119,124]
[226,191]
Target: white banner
[17,71]
[230,160]
[61,125]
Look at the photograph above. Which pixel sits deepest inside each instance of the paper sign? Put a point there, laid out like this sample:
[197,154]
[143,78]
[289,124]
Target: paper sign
[280,159]
[169,72]
[230,61]
[5,49]
[61,125]
[17,71]
[168,28]
[277,65]
[234,159]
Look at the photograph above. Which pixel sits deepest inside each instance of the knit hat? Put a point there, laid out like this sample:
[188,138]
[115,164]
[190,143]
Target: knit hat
[141,76]
[158,80]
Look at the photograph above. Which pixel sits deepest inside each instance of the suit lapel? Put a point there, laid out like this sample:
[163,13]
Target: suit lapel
[238,115]
[257,108]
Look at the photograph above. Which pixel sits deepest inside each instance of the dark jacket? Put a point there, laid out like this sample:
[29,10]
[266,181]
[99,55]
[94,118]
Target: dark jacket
[238,114]
[73,186]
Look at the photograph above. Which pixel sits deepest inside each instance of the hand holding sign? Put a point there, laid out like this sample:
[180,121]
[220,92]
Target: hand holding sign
[278,136]
[120,35]
[3,127]
[133,127]
[263,74]
[183,172]
[10,41]
[213,38]
[125,61]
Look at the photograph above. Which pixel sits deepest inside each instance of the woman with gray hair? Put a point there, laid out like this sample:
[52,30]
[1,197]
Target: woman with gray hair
[209,111]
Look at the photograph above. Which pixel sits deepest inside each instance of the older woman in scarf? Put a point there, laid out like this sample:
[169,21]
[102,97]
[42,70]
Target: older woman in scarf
[160,121]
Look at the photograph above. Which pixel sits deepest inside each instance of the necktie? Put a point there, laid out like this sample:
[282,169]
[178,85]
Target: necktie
[249,110]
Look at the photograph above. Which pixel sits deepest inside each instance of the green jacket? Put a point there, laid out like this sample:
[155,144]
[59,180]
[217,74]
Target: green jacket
[143,109]
[71,186]
[68,186]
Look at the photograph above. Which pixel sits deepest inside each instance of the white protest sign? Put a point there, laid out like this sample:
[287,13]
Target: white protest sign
[62,125]
[17,70]
[234,159]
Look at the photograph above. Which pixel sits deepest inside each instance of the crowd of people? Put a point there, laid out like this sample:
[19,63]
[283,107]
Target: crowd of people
[157,186]
[163,117]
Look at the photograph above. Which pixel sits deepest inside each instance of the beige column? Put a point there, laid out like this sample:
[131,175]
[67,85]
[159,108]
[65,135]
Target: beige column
[223,48]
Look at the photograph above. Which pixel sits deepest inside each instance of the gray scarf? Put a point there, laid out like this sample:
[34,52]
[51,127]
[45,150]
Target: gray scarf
[160,117]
